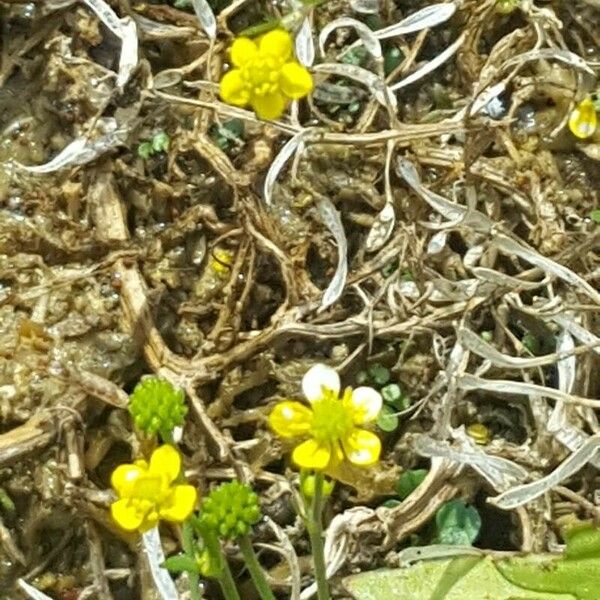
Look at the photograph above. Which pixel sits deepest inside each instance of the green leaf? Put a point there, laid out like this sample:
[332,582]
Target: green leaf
[145,150]
[379,374]
[181,563]
[532,343]
[391,393]
[457,523]
[161,142]
[409,481]
[595,216]
[391,503]
[387,420]
[391,59]
[465,578]
[6,502]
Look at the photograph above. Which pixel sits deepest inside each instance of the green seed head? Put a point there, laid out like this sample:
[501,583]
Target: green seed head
[157,407]
[230,510]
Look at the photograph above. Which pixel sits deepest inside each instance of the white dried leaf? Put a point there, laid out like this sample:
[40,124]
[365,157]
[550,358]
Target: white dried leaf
[450,210]
[381,229]
[370,80]
[365,7]
[409,289]
[370,42]
[282,157]
[331,219]
[511,247]
[82,150]
[437,243]
[473,256]
[479,346]
[578,332]
[128,59]
[567,366]
[154,552]
[504,280]
[32,592]
[166,79]
[305,45]
[206,16]
[504,386]
[523,494]
[500,473]
[430,16]
[155,30]
[565,56]
[107,15]
[431,65]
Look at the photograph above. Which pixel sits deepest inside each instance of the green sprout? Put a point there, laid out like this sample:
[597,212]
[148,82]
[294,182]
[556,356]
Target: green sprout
[160,142]
[157,407]
[505,7]
[595,216]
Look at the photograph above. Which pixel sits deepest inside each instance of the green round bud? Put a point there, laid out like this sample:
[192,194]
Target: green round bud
[157,407]
[230,509]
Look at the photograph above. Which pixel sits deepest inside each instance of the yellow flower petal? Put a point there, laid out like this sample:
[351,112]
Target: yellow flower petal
[233,89]
[312,455]
[180,504]
[364,404]
[584,120]
[165,461]
[150,521]
[242,50]
[126,515]
[276,43]
[290,419]
[124,477]
[318,379]
[362,447]
[296,82]
[270,106]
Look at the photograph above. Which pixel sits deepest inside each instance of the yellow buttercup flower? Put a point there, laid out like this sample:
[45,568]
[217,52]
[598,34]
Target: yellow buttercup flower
[330,423]
[147,492]
[584,120]
[266,76]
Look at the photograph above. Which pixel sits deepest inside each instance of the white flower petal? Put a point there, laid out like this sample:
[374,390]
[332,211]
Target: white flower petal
[365,404]
[319,378]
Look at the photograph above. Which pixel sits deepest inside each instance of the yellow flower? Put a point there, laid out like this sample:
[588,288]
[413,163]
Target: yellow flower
[330,423]
[220,261]
[147,493]
[583,119]
[266,76]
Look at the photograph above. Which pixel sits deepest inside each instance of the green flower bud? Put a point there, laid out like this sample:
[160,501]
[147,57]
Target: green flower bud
[307,485]
[157,407]
[230,510]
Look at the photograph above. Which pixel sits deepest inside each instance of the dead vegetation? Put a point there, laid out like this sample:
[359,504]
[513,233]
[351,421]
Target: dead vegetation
[463,219]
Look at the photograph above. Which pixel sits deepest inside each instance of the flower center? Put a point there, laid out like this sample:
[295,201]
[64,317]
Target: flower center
[331,421]
[261,75]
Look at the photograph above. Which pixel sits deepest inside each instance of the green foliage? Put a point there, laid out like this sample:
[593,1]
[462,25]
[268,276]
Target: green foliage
[409,481]
[230,510]
[378,374]
[6,503]
[457,524]
[307,485]
[595,214]
[387,419]
[392,58]
[505,7]
[228,134]
[181,563]
[160,142]
[157,407]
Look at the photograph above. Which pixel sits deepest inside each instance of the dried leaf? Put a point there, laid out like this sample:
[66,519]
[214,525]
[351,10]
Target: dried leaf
[331,218]
[431,65]
[523,494]
[430,16]
[206,16]
[365,7]
[381,229]
[370,80]
[32,592]
[305,45]
[154,552]
[368,38]
[278,163]
[128,59]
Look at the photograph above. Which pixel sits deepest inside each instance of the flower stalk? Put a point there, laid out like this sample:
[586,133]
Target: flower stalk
[315,532]
[255,570]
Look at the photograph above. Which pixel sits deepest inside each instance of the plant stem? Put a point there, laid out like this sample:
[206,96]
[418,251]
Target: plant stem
[227,584]
[315,531]
[255,570]
[188,548]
